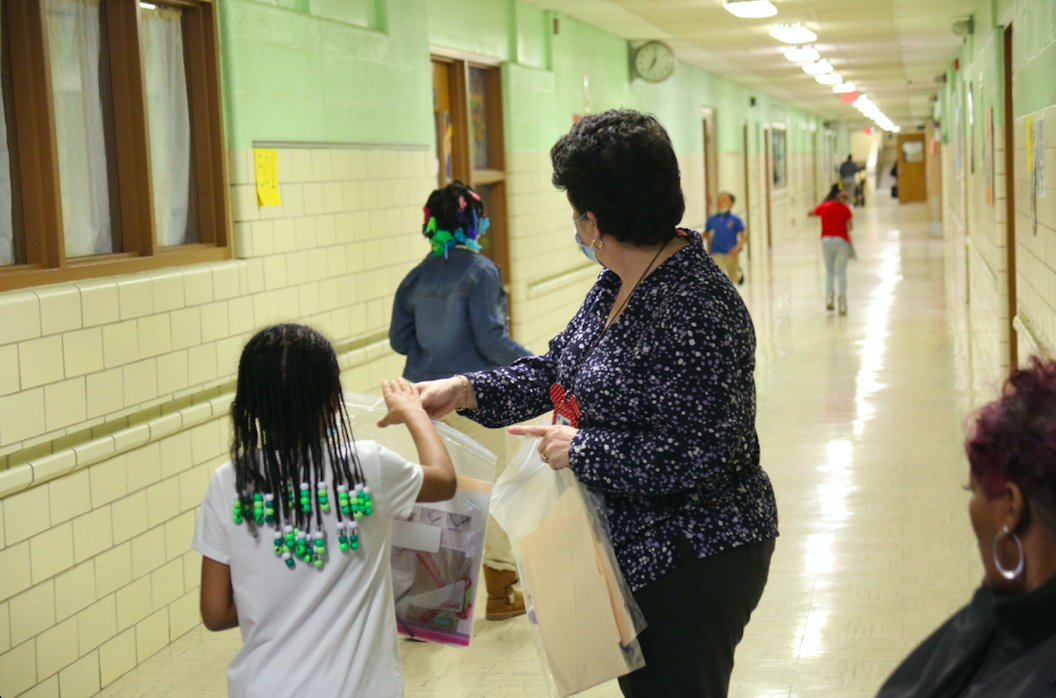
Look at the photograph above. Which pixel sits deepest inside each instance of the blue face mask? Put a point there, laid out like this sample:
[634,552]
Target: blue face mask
[588,251]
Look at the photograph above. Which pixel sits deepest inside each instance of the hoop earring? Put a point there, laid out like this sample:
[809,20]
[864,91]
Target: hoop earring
[597,244]
[1008,574]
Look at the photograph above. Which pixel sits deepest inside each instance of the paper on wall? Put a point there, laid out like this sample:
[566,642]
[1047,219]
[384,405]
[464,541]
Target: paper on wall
[266,165]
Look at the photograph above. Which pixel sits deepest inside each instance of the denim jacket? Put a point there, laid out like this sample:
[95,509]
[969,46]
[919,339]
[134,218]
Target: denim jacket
[450,317]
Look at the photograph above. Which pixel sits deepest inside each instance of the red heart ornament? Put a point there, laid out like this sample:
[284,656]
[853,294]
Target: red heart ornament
[566,407]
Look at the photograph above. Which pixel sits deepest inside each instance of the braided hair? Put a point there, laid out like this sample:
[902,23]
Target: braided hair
[288,419]
[454,215]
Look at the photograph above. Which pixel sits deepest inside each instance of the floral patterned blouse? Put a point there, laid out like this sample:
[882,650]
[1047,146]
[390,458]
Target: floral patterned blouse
[667,425]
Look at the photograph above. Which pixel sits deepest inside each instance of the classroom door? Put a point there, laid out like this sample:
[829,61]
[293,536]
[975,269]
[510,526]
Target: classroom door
[747,192]
[767,177]
[1010,206]
[711,162]
[470,145]
[912,171]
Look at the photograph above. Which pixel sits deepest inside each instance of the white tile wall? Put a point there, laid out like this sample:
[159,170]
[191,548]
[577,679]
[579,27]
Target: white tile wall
[98,572]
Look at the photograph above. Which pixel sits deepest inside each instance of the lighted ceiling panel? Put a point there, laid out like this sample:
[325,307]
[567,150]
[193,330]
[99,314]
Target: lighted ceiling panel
[890,49]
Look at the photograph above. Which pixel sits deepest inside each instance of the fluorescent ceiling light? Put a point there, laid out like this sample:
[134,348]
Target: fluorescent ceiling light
[802,54]
[750,8]
[792,33]
[819,68]
[148,6]
[830,79]
[866,106]
[844,87]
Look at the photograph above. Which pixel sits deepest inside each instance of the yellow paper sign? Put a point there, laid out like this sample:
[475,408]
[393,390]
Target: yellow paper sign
[267,166]
[1030,146]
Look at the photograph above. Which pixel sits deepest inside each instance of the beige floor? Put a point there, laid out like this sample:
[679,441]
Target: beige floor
[861,425]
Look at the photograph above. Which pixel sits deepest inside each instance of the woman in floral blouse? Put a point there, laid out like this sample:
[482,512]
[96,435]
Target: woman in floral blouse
[652,384]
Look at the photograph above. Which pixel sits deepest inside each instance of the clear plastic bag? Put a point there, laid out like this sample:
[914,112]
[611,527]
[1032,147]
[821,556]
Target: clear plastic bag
[584,619]
[436,553]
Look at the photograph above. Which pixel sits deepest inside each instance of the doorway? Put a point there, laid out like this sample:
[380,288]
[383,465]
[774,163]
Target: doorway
[912,171]
[470,145]
[1010,206]
[711,162]
[767,176]
[747,193]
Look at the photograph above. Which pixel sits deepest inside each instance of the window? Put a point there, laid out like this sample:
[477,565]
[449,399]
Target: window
[169,118]
[11,247]
[112,155]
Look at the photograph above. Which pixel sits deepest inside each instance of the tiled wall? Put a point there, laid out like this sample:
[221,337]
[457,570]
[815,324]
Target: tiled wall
[1036,251]
[97,569]
[976,229]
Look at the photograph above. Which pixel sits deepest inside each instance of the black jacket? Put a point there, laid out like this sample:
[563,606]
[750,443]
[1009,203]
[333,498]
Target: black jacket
[995,647]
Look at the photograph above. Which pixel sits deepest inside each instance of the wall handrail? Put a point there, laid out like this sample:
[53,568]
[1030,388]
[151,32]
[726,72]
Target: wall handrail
[970,244]
[323,145]
[76,457]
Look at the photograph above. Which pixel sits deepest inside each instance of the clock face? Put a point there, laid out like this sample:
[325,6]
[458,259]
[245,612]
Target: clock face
[654,61]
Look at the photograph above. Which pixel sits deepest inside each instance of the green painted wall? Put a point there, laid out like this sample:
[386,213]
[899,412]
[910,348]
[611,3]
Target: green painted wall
[291,76]
[294,77]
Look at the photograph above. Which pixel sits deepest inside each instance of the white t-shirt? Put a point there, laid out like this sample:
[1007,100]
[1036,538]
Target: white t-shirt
[306,631]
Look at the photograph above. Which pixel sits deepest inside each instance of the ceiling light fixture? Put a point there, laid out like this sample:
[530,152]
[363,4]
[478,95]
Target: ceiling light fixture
[750,9]
[802,54]
[844,87]
[792,33]
[866,106]
[818,68]
[829,79]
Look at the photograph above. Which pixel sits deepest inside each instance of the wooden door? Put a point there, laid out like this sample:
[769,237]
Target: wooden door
[711,164]
[912,171]
[767,176]
[1010,206]
[747,193]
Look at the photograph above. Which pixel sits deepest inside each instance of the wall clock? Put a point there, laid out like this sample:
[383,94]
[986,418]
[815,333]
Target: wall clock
[653,61]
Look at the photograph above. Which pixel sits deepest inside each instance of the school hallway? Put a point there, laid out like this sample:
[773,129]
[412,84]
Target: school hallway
[860,419]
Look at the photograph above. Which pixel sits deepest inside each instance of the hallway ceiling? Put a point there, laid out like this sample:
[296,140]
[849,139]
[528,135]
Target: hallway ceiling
[892,50]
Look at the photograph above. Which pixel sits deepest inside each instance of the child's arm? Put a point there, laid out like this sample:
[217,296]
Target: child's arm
[405,407]
[217,596]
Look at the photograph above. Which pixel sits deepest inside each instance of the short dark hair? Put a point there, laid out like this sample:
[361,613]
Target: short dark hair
[620,166]
[1013,439]
[733,199]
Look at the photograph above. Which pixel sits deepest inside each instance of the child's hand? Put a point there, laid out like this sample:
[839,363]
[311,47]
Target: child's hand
[402,399]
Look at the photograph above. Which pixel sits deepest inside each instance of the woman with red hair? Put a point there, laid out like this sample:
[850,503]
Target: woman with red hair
[1003,643]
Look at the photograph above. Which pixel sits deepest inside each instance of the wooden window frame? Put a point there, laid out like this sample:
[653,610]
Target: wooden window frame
[38,158]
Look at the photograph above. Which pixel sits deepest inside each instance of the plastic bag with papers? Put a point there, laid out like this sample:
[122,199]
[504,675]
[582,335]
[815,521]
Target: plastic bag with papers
[438,551]
[583,617]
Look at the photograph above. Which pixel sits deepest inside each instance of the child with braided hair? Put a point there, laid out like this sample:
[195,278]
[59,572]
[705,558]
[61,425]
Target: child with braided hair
[450,317]
[295,531]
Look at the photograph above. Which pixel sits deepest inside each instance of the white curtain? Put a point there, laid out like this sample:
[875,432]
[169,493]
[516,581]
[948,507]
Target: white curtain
[7,201]
[168,114]
[79,86]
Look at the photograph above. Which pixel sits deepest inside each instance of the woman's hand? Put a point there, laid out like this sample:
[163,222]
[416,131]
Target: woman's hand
[554,444]
[445,396]
[402,399]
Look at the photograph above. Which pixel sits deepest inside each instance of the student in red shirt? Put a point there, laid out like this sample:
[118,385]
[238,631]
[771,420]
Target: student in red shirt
[836,245]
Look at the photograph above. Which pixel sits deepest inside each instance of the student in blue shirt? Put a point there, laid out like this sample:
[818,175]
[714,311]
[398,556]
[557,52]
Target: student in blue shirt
[725,235]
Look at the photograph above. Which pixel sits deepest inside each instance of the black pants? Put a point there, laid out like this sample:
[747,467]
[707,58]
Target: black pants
[696,615]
